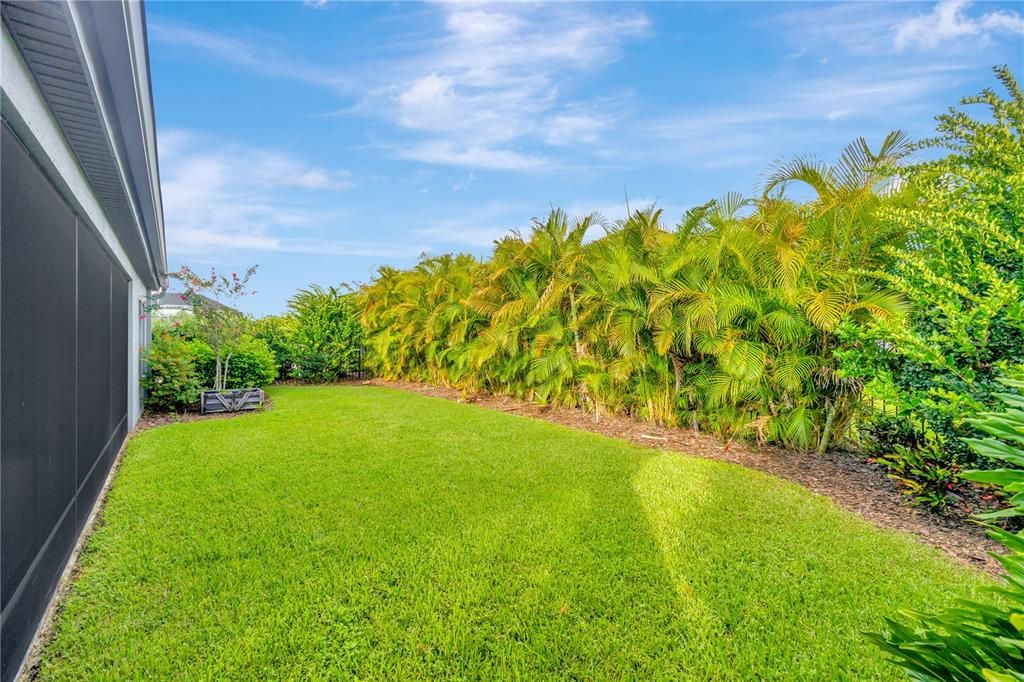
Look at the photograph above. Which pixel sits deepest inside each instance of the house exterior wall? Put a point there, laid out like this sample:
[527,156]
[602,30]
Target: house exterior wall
[25,111]
[71,340]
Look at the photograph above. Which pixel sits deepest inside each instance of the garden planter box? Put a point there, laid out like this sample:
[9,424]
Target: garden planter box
[231,400]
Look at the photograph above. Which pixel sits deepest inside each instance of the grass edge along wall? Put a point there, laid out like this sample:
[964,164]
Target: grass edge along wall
[368,532]
[77,264]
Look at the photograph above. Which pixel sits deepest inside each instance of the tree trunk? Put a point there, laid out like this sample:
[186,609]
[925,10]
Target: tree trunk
[224,381]
[575,326]
[677,367]
[217,385]
[826,433]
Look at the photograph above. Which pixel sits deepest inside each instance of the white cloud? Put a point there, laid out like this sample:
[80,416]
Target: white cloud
[476,228]
[255,55]
[574,128]
[862,28]
[782,119]
[221,197]
[492,84]
[949,20]
[274,169]
[612,212]
[451,153]
[464,183]
[475,25]
[329,247]
[875,28]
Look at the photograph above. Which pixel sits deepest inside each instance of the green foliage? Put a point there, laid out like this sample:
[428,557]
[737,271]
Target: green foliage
[181,326]
[218,321]
[922,472]
[278,331]
[440,541]
[962,271]
[251,364]
[325,339]
[730,321]
[982,641]
[171,381]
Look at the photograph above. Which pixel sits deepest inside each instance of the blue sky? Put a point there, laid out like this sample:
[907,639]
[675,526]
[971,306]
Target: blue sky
[323,139]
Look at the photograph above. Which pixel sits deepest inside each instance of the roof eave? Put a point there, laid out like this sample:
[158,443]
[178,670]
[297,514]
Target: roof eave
[108,41]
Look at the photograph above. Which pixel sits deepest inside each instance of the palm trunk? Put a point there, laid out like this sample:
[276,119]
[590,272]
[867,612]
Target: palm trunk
[677,368]
[575,327]
[826,433]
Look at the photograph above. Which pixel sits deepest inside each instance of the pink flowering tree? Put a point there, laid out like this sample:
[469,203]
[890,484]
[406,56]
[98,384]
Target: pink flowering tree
[214,302]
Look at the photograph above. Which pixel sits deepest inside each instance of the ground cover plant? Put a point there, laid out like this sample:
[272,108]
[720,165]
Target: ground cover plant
[364,532]
[977,641]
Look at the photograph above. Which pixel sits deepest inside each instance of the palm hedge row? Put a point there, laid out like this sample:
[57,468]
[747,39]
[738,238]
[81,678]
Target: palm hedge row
[728,321]
[741,319]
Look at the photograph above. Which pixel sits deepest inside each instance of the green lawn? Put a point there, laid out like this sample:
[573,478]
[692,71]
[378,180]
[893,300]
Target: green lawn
[364,532]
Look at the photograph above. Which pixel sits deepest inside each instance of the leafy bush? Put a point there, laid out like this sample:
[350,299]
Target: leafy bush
[759,318]
[730,321]
[923,473]
[327,339]
[251,364]
[963,273]
[171,381]
[220,324]
[975,640]
[278,331]
[181,326]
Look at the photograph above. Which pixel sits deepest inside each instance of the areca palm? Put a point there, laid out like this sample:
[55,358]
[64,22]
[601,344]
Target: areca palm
[731,321]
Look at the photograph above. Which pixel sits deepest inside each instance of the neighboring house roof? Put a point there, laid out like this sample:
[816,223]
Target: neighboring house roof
[90,60]
[176,299]
[172,299]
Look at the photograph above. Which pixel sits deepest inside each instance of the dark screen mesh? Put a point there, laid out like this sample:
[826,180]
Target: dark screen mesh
[63,388]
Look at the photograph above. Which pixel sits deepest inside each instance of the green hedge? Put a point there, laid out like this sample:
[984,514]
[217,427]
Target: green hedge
[171,381]
[179,366]
[251,365]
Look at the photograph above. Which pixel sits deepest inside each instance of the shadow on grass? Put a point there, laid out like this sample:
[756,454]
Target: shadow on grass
[357,531]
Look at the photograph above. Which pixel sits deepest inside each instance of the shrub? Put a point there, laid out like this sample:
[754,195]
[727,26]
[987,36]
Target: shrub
[923,473]
[963,273]
[171,381]
[327,341]
[251,364]
[729,322]
[975,640]
[278,331]
[214,303]
[181,326]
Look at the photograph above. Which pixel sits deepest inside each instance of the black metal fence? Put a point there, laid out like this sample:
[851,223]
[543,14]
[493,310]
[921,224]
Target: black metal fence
[360,372]
[64,314]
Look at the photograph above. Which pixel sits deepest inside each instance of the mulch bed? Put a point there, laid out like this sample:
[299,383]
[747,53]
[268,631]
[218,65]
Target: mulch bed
[151,420]
[851,482]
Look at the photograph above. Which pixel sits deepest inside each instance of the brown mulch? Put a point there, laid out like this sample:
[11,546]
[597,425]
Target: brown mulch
[848,480]
[151,420]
